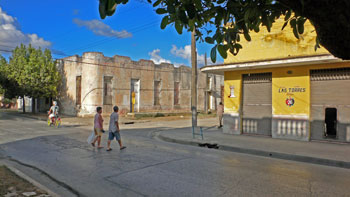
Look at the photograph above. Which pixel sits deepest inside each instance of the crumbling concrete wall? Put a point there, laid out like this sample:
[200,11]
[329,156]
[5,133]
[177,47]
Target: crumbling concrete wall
[93,67]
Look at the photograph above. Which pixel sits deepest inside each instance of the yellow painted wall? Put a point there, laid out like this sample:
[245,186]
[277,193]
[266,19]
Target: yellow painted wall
[277,44]
[282,78]
[232,104]
[291,84]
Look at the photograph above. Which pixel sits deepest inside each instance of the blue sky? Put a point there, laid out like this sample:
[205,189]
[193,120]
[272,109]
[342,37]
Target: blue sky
[71,27]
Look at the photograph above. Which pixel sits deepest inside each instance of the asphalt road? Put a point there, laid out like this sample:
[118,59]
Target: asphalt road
[150,167]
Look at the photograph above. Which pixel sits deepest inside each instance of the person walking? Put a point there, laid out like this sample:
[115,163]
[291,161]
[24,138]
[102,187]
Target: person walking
[98,127]
[220,113]
[114,131]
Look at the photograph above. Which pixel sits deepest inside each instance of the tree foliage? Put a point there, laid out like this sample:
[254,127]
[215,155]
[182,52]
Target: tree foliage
[222,23]
[35,71]
[8,87]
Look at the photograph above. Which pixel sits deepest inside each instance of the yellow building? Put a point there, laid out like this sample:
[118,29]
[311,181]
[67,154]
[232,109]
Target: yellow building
[281,87]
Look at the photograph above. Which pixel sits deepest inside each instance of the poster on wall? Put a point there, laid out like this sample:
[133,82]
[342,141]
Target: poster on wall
[290,94]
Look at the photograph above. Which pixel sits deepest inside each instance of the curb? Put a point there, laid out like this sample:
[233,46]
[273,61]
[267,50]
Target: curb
[30,180]
[276,155]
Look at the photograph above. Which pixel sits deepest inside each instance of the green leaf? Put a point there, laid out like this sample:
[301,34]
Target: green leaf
[236,49]
[238,37]
[165,22]
[246,15]
[103,8]
[111,5]
[317,45]
[183,16]
[284,25]
[191,10]
[300,24]
[157,3]
[213,54]
[293,24]
[198,4]
[161,11]
[178,26]
[295,32]
[112,11]
[209,40]
[269,24]
[289,13]
[171,8]
[257,28]
[218,37]
[222,51]
[247,36]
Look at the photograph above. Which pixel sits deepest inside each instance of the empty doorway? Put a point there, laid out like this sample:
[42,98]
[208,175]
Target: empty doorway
[135,95]
[331,122]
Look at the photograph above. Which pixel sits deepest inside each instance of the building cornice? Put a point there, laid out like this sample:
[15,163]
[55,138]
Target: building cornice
[286,62]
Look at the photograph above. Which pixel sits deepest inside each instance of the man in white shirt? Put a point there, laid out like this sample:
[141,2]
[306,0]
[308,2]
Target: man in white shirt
[114,131]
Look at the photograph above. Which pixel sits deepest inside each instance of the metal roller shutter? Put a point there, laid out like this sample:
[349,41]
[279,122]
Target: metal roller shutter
[257,103]
[330,90]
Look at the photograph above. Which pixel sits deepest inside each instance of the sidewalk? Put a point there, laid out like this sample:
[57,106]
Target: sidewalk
[323,153]
[71,120]
[123,120]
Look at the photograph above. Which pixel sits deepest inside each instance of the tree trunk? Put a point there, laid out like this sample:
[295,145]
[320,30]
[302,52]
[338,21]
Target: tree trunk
[24,104]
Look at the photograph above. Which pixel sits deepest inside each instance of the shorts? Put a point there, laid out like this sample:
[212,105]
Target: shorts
[115,134]
[51,115]
[98,132]
[220,117]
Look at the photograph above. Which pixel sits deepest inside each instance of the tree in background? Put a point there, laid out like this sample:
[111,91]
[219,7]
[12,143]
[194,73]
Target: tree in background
[8,87]
[35,72]
[231,19]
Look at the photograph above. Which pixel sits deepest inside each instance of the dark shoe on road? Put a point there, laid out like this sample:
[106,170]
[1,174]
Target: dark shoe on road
[123,147]
[109,149]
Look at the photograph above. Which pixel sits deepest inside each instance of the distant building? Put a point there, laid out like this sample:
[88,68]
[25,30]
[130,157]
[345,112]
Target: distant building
[95,80]
[279,86]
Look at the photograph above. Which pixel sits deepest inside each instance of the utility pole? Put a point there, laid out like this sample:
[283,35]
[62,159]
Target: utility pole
[206,86]
[194,79]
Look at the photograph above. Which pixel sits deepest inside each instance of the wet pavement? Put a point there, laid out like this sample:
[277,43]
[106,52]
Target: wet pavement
[150,167]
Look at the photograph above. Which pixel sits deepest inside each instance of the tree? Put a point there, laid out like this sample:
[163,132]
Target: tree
[34,71]
[231,19]
[8,87]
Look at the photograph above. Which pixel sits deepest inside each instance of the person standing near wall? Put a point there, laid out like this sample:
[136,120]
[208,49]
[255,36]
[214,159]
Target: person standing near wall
[220,112]
[114,131]
[98,127]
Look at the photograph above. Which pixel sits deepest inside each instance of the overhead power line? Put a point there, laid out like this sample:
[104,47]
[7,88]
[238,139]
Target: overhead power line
[114,66]
[105,40]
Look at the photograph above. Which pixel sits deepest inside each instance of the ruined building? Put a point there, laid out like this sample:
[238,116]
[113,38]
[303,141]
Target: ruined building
[95,80]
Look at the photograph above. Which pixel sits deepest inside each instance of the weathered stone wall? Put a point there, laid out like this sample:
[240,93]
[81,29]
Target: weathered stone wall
[67,92]
[93,67]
